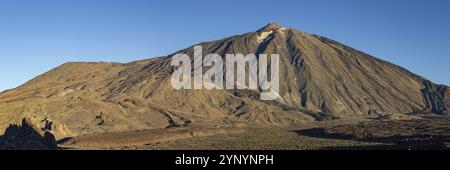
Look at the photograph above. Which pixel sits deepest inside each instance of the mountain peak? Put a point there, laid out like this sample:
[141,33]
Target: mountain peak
[270,27]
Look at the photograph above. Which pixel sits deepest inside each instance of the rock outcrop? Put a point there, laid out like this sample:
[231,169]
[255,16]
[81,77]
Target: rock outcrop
[26,137]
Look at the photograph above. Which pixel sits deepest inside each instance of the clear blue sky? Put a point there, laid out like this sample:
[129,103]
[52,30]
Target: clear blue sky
[37,35]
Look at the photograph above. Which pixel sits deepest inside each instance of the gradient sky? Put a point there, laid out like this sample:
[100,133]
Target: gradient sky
[37,35]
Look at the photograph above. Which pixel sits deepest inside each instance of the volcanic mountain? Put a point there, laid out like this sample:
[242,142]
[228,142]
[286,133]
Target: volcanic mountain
[320,79]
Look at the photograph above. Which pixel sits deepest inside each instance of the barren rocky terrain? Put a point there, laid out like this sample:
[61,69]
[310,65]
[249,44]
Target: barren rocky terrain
[412,133]
[115,105]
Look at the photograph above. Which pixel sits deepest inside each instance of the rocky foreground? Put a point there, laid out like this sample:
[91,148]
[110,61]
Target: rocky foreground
[24,136]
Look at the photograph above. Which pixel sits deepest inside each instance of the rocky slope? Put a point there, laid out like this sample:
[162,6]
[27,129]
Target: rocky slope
[319,79]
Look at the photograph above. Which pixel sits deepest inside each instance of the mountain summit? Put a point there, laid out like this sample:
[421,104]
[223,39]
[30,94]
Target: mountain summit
[320,79]
[270,27]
